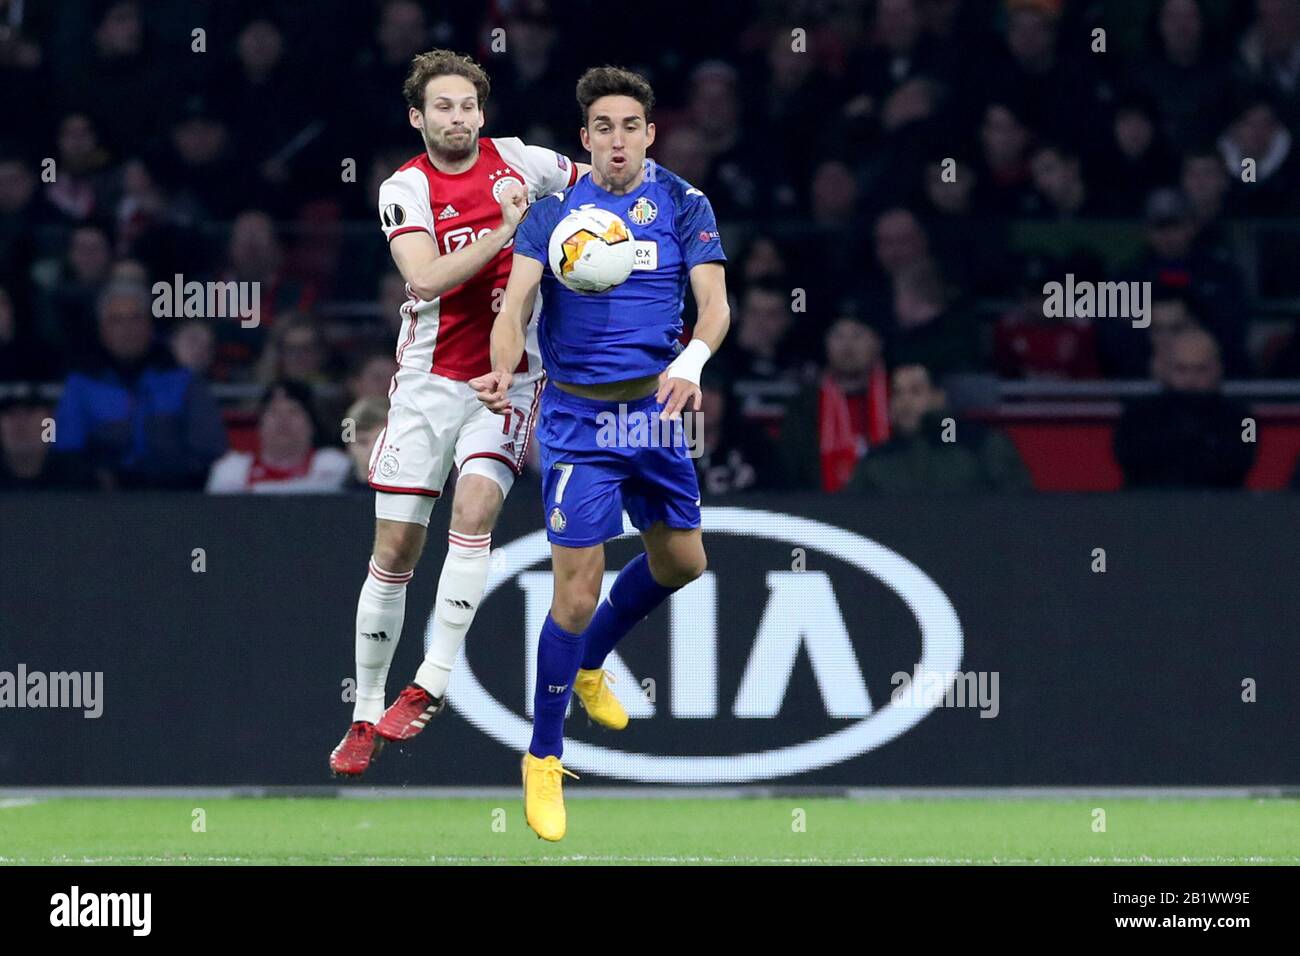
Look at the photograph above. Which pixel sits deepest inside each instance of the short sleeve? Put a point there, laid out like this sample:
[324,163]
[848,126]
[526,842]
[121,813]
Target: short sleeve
[555,171]
[533,237]
[402,208]
[545,170]
[697,230]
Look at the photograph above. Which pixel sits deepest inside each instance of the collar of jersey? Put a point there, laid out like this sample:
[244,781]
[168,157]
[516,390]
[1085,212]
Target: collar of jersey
[619,197]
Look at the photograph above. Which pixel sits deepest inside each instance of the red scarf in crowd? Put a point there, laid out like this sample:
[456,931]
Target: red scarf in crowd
[843,421]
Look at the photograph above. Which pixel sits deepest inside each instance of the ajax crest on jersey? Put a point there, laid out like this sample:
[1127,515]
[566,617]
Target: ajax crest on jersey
[591,250]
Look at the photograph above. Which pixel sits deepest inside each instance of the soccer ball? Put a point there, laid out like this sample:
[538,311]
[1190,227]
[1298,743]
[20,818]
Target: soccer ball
[591,250]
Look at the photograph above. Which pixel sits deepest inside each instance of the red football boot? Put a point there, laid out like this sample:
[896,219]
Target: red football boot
[353,754]
[409,714]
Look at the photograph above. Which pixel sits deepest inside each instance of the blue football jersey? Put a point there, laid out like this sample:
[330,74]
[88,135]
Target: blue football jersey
[632,330]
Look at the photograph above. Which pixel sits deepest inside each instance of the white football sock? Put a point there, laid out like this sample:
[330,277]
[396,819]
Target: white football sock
[380,611]
[460,589]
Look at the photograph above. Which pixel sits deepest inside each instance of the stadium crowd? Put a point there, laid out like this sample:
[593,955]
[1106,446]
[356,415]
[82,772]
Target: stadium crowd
[896,180]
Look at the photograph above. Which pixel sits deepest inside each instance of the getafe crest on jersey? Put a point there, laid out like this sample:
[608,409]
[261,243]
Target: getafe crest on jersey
[643,212]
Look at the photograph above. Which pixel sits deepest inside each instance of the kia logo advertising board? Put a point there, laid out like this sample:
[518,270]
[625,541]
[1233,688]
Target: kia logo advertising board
[797,612]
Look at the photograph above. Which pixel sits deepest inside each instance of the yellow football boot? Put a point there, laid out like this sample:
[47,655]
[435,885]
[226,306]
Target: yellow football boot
[592,690]
[544,795]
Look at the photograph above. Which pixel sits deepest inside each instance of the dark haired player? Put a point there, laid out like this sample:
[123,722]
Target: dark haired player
[617,351]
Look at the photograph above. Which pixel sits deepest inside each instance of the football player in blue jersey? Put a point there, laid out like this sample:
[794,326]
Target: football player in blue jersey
[613,354]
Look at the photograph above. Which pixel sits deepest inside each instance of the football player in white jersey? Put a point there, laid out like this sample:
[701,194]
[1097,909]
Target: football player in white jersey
[450,215]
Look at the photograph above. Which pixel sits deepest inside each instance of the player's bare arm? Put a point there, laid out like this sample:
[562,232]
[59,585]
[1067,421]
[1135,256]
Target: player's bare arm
[679,383]
[508,333]
[430,274]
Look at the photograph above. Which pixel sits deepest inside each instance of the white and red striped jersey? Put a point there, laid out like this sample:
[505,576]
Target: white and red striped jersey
[322,471]
[450,335]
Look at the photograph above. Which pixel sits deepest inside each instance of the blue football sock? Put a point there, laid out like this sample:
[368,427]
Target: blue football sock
[558,655]
[634,595]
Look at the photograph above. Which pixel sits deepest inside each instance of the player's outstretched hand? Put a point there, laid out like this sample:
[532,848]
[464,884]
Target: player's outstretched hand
[493,390]
[675,393]
[514,203]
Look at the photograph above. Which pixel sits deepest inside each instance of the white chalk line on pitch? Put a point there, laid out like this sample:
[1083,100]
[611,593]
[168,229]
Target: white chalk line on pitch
[586,858]
[16,802]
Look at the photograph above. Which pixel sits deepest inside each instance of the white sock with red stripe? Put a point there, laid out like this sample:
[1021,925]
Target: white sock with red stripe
[460,589]
[380,611]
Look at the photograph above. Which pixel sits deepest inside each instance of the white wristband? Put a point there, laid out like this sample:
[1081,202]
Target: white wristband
[690,362]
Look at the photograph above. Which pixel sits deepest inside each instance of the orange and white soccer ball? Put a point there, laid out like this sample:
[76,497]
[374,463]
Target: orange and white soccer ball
[591,250]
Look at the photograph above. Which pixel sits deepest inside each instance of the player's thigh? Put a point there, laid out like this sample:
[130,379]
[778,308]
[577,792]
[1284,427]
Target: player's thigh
[578,573]
[581,497]
[492,448]
[676,555]
[662,497]
[414,452]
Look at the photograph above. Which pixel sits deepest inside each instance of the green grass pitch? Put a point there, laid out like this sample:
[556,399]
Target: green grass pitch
[654,831]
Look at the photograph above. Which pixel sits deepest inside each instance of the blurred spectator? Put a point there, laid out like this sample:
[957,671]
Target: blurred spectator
[1190,434]
[791,80]
[1184,77]
[928,329]
[530,64]
[1204,182]
[765,374]
[1171,316]
[732,457]
[269,102]
[1257,133]
[973,246]
[297,352]
[930,452]
[900,244]
[1003,178]
[71,300]
[25,459]
[291,456]
[1269,52]
[23,210]
[368,417]
[200,165]
[131,414]
[834,195]
[837,420]
[82,170]
[685,152]
[762,259]
[152,226]
[256,255]
[371,375]
[1059,91]
[24,356]
[951,195]
[400,33]
[733,184]
[1030,344]
[1136,160]
[1059,190]
[1176,266]
[120,69]
[193,346]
